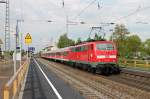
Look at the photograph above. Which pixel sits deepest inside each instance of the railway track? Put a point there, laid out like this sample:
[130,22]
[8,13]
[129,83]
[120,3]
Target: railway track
[133,78]
[95,86]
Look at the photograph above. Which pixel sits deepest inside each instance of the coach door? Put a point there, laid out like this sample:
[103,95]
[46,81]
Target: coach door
[90,52]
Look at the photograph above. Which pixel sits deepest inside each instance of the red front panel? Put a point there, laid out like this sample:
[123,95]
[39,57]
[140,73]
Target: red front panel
[105,52]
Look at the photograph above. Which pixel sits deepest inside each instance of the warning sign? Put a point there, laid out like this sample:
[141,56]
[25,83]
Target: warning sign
[28,39]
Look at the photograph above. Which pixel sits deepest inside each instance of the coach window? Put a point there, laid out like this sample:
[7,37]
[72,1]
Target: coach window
[59,53]
[79,49]
[82,48]
[76,49]
[73,49]
[65,53]
[86,48]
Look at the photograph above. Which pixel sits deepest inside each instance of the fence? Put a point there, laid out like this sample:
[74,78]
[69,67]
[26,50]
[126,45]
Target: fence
[13,86]
[145,64]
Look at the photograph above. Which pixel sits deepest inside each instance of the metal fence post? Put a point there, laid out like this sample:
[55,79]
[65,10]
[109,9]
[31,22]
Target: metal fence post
[14,87]
[6,92]
[135,63]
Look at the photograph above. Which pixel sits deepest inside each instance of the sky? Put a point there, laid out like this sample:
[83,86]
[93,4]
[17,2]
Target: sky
[134,14]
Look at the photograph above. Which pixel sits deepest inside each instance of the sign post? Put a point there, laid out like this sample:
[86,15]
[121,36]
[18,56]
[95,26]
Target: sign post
[28,41]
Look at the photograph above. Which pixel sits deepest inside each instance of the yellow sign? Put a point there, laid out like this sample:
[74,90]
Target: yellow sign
[28,39]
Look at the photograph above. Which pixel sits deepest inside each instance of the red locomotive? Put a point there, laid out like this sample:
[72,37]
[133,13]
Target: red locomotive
[96,57]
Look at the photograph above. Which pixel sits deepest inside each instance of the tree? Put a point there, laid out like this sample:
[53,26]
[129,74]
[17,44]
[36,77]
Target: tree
[97,37]
[11,53]
[64,41]
[143,49]
[23,52]
[133,45]
[119,36]
[78,40]
[147,46]
[120,32]
[88,39]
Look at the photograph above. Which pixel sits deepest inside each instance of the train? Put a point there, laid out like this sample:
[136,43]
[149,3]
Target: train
[97,57]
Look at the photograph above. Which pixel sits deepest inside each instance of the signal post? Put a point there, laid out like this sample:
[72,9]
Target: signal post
[28,41]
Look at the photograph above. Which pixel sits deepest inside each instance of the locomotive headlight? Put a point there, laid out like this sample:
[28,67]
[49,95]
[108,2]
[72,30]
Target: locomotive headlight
[101,56]
[112,56]
[91,55]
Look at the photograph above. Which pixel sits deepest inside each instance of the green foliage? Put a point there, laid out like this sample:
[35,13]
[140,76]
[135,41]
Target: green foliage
[88,39]
[119,36]
[23,52]
[133,45]
[120,32]
[97,37]
[129,46]
[147,46]
[7,54]
[11,53]
[78,41]
[64,41]
[142,49]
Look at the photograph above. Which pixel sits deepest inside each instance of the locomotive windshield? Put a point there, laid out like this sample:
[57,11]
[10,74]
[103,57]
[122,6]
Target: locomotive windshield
[105,46]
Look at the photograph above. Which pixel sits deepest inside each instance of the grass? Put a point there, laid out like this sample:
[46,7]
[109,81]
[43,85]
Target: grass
[137,67]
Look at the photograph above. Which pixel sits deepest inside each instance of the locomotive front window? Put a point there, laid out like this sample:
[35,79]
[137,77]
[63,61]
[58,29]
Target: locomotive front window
[105,46]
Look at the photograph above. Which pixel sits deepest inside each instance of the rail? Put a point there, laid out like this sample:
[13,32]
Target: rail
[145,64]
[12,87]
[136,73]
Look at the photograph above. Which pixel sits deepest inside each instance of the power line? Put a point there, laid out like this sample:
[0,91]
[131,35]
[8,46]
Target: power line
[139,9]
[83,10]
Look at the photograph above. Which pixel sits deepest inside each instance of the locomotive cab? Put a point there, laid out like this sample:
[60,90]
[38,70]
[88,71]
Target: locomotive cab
[106,53]
[106,58]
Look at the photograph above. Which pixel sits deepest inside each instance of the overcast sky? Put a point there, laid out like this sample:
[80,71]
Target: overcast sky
[35,14]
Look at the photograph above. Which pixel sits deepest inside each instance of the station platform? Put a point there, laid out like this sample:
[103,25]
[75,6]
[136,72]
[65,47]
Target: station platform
[42,83]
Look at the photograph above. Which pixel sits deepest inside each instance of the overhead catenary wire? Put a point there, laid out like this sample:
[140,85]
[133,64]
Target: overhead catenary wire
[139,9]
[84,9]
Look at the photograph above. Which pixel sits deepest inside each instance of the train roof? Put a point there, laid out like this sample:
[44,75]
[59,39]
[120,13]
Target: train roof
[92,42]
[81,44]
[59,50]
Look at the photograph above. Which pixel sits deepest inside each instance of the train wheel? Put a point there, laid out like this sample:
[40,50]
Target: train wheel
[99,69]
[74,65]
[106,71]
[93,70]
[86,67]
[89,69]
